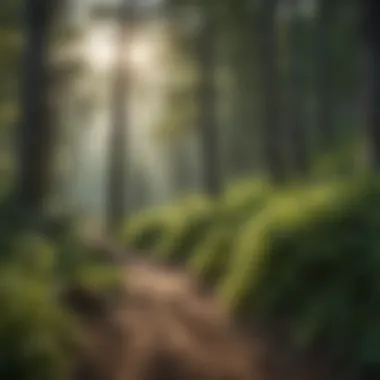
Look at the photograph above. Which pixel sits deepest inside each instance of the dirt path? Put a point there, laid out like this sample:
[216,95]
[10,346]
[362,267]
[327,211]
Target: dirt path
[166,325]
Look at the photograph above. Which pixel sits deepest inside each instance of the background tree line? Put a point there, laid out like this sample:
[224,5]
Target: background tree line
[274,88]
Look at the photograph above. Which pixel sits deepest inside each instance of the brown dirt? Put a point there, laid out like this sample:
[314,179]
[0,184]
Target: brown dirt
[165,325]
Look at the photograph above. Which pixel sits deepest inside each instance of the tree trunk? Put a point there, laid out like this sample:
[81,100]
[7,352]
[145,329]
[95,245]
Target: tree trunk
[117,187]
[271,128]
[298,132]
[372,28]
[243,142]
[371,17]
[212,176]
[324,77]
[36,129]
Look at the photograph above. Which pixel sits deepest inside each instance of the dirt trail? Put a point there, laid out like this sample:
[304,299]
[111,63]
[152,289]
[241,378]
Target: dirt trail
[166,325]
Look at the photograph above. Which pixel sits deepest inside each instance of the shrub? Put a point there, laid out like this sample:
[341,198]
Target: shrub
[312,259]
[245,196]
[308,255]
[175,233]
[38,335]
[145,230]
[191,224]
[211,256]
[35,331]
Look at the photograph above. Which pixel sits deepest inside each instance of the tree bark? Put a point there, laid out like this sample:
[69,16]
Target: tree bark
[208,128]
[117,181]
[297,121]
[324,77]
[36,132]
[271,128]
[372,29]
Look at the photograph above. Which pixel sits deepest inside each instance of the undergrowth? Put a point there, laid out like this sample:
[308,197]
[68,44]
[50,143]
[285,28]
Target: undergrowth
[307,255]
[38,334]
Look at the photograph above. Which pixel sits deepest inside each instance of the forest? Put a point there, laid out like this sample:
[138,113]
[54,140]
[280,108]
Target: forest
[189,189]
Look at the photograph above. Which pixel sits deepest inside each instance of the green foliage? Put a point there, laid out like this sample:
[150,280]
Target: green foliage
[32,253]
[308,255]
[311,258]
[34,332]
[244,197]
[144,230]
[10,45]
[170,231]
[195,228]
[211,256]
[343,160]
[75,262]
[36,338]
[189,225]
[38,335]
[287,210]
[10,13]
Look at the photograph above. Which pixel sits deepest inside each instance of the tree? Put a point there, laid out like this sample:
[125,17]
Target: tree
[243,139]
[371,12]
[116,205]
[271,131]
[36,131]
[10,51]
[324,75]
[298,128]
[212,176]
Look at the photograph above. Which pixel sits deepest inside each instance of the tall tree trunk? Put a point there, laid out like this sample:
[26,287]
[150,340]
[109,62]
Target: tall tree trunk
[297,120]
[243,143]
[117,186]
[372,26]
[212,175]
[36,129]
[271,128]
[324,77]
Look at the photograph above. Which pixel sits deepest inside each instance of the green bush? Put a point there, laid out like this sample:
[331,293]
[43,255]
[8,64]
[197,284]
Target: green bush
[244,197]
[312,259]
[211,256]
[343,160]
[146,229]
[170,232]
[308,255]
[36,340]
[37,333]
[287,210]
[193,221]
[174,233]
